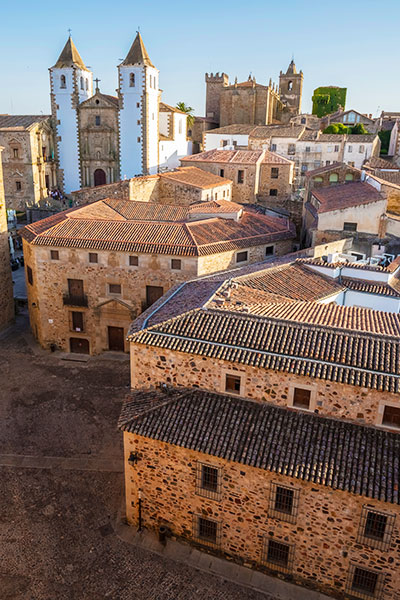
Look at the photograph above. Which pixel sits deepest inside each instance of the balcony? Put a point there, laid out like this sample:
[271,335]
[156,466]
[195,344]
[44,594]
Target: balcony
[70,300]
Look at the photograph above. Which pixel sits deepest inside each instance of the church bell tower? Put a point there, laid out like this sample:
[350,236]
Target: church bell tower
[291,88]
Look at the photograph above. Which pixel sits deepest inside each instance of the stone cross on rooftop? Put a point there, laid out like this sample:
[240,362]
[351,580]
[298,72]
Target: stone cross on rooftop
[97,83]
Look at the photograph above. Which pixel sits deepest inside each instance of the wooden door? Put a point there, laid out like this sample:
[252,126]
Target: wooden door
[79,345]
[75,287]
[116,339]
[153,293]
[99,177]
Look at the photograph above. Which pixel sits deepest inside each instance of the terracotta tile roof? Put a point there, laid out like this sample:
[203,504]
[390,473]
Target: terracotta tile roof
[195,177]
[367,356]
[127,226]
[243,157]
[387,177]
[354,265]
[372,287]
[366,138]
[334,166]
[237,128]
[339,197]
[375,162]
[268,131]
[272,158]
[215,207]
[307,447]
[167,108]
[21,121]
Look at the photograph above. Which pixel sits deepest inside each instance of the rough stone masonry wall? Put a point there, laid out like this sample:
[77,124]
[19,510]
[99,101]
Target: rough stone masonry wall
[6,288]
[119,190]
[151,366]
[177,193]
[283,183]
[18,169]
[324,534]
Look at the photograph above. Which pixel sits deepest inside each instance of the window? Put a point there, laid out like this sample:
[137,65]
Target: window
[137,104]
[273,192]
[303,120]
[206,530]
[333,178]
[97,120]
[349,177]
[364,583]
[18,186]
[242,256]
[138,140]
[208,481]
[318,179]
[224,143]
[82,84]
[336,148]
[283,502]
[114,288]
[301,398]
[308,149]
[290,86]
[327,162]
[277,555]
[274,173]
[87,83]
[30,275]
[138,122]
[232,383]
[376,528]
[291,149]
[132,80]
[269,250]
[349,226]
[350,148]
[77,321]
[180,126]
[361,149]
[176,264]
[63,83]
[240,176]
[134,261]
[304,167]
[273,147]
[221,173]
[391,416]
[93,257]
[54,255]
[15,153]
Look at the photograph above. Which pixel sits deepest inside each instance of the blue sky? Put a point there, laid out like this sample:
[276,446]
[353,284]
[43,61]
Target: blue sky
[352,44]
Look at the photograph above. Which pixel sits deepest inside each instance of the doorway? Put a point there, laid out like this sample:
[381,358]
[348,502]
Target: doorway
[99,177]
[79,345]
[116,339]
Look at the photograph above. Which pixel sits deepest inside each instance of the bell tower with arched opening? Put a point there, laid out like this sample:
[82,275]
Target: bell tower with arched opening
[291,88]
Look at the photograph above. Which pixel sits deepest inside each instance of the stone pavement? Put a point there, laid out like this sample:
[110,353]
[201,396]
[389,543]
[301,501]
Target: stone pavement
[190,556]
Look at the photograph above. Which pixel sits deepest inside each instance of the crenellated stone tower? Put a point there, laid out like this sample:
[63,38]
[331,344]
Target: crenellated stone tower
[71,83]
[139,112]
[215,83]
[6,288]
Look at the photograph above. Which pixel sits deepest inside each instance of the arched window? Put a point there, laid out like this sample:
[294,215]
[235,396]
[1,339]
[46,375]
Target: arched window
[349,177]
[132,80]
[82,84]
[290,86]
[63,83]
[333,178]
[87,84]
[318,179]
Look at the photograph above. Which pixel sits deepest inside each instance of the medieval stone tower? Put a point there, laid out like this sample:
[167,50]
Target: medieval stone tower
[139,112]
[214,86]
[290,89]
[6,288]
[70,84]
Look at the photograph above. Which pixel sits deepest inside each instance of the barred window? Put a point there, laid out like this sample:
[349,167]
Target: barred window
[93,257]
[376,528]
[283,502]
[176,264]
[277,555]
[208,481]
[54,255]
[134,261]
[364,583]
[206,531]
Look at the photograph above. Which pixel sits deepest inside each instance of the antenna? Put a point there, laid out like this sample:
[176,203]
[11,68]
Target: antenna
[69,32]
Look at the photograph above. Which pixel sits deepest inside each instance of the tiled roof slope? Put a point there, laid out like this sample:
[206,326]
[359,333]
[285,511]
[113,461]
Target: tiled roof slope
[127,226]
[373,287]
[339,197]
[195,177]
[391,267]
[352,458]
[326,352]
[20,121]
[243,157]
[375,162]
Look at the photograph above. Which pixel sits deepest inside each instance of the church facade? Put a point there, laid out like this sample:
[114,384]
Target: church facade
[101,138]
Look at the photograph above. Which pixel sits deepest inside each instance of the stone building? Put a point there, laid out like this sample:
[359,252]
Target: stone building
[91,270]
[29,168]
[102,138]
[350,118]
[289,399]
[6,287]
[252,173]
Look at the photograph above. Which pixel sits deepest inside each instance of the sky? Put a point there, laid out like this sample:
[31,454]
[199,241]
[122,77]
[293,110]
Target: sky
[351,43]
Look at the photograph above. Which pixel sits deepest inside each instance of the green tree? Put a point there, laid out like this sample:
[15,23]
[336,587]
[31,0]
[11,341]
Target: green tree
[384,136]
[337,128]
[359,129]
[188,110]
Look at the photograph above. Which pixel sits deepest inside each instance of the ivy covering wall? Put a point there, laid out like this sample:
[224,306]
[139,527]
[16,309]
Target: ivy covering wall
[327,100]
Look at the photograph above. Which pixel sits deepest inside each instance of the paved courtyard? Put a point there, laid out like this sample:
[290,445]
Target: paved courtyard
[62,484]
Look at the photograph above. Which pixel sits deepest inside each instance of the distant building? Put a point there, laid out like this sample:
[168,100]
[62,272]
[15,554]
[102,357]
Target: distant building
[350,118]
[6,286]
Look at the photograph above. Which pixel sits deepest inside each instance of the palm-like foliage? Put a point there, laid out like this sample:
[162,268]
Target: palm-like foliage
[188,110]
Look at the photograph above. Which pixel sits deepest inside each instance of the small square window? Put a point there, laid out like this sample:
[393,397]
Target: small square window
[134,261]
[29,275]
[114,288]
[206,530]
[54,255]
[208,481]
[176,264]
[349,226]
[301,398]
[274,173]
[240,176]
[269,250]
[391,416]
[97,120]
[364,583]
[18,186]
[242,256]
[277,555]
[273,192]
[232,384]
[93,257]
[308,149]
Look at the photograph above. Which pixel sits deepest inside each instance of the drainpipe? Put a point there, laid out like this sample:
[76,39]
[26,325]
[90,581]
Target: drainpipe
[140,510]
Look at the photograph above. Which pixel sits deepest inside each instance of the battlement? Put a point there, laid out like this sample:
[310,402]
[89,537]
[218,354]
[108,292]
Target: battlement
[217,78]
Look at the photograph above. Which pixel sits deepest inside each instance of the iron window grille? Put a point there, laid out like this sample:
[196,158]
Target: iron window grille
[283,502]
[93,257]
[376,528]
[364,583]
[206,531]
[134,261]
[208,481]
[277,555]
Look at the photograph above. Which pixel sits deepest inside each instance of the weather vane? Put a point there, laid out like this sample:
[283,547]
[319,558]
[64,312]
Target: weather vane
[69,31]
